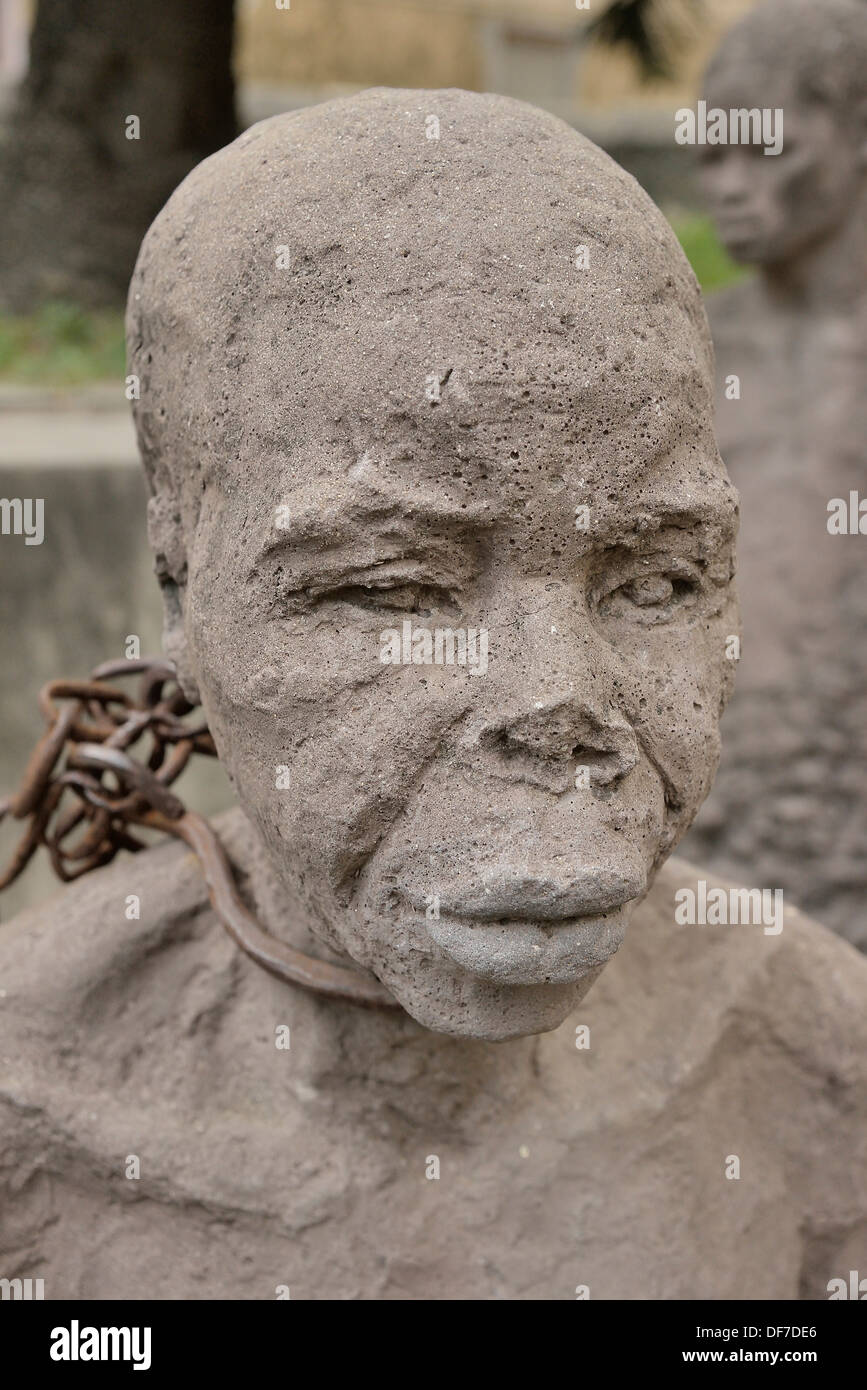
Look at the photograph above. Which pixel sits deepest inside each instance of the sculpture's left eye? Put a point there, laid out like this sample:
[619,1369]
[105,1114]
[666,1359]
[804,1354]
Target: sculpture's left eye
[649,591]
[650,598]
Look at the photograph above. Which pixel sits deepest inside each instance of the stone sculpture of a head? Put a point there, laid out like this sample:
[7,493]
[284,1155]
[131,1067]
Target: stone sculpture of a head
[808,61]
[444,538]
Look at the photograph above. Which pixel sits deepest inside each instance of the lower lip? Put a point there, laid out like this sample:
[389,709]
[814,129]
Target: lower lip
[527,953]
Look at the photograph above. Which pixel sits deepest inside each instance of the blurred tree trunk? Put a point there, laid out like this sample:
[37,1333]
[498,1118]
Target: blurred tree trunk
[76,194]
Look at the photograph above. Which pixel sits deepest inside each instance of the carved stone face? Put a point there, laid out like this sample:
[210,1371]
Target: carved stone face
[466,437]
[768,209]
[808,61]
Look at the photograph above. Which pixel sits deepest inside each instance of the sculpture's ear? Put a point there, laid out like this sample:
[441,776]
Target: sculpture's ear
[166,536]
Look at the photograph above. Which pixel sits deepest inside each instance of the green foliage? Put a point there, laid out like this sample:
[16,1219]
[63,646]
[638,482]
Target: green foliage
[713,266]
[62,345]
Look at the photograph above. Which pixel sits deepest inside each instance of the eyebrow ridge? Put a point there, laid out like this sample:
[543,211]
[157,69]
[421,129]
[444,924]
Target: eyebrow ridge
[341,521]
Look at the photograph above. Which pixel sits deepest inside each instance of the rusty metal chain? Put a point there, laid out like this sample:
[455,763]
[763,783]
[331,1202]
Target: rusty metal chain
[82,791]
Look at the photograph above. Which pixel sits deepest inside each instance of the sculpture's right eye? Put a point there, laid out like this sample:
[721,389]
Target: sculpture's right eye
[415,598]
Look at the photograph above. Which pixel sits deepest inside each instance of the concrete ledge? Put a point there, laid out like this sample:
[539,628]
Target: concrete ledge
[88,427]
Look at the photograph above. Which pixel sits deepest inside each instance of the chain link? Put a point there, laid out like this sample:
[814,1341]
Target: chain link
[82,792]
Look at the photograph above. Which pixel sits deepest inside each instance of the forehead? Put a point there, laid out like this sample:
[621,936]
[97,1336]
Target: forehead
[435,309]
[378,500]
[759,82]
[490,423]
[481,391]
[647,461]
[475,420]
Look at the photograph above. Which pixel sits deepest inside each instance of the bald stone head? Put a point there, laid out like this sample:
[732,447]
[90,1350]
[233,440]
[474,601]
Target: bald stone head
[443,533]
[809,60]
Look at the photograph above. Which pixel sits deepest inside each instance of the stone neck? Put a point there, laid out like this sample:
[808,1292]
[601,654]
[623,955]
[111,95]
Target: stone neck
[376,1051]
[825,280]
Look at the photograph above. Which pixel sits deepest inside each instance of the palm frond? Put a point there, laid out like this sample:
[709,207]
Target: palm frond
[644,28]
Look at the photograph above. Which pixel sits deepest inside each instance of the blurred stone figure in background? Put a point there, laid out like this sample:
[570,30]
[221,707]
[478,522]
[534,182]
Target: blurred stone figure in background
[486,845]
[789,808]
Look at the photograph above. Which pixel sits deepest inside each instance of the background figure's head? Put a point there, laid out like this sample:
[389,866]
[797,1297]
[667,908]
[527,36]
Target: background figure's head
[425,375]
[808,59]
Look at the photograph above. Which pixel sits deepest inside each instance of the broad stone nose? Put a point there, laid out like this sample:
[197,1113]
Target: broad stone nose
[552,702]
[551,742]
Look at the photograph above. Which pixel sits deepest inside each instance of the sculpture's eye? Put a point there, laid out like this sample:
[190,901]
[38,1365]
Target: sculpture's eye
[650,591]
[650,598]
[416,598]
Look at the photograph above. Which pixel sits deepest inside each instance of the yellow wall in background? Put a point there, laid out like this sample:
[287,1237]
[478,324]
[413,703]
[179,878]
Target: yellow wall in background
[357,42]
[465,43]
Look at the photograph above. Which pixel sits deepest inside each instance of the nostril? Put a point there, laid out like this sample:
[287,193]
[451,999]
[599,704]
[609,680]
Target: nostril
[540,749]
[602,766]
[500,741]
[583,754]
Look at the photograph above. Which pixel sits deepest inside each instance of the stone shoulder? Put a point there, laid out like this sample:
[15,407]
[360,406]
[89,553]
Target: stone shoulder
[807,984]
[74,935]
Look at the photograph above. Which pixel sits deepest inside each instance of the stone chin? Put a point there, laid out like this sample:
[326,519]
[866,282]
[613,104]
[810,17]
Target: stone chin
[498,980]
[462,1006]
